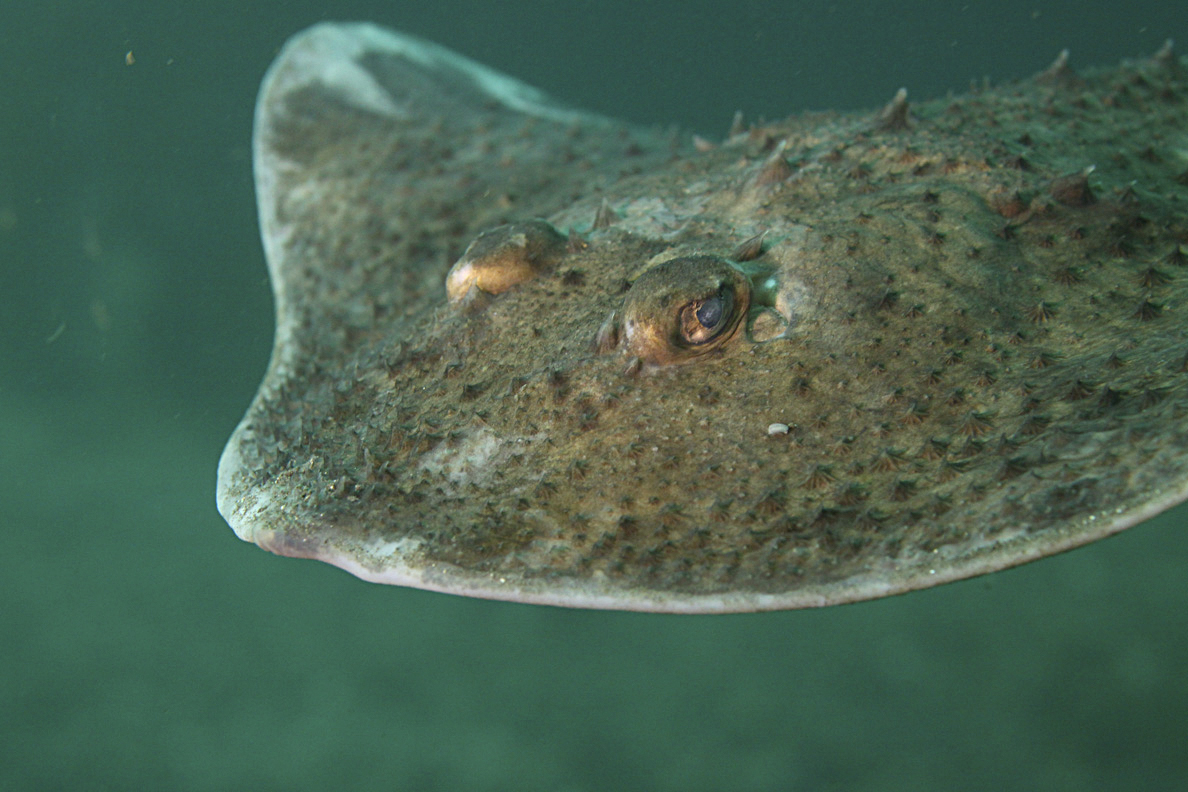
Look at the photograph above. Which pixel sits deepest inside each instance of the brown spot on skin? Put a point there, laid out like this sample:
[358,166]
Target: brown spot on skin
[1034,425]
[772,502]
[1067,276]
[951,469]
[578,470]
[473,390]
[976,424]
[1006,445]
[719,510]
[1073,189]
[707,395]
[870,519]
[1151,277]
[1012,468]
[826,516]
[934,449]
[916,413]
[1017,162]
[886,299]
[1147,310]
[820,477]
[559,384]
[1042,360]
[1152,396]
[671,515]
[1009,205]
[1121,248]
[859,172]
[1109,398]
[1041,312]
[851,494]
[888,460]
[902,490]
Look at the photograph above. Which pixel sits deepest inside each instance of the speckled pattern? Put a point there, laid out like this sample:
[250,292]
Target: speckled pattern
[973,324]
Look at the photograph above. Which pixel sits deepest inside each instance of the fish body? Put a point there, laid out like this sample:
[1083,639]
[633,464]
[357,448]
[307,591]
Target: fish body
[529,353]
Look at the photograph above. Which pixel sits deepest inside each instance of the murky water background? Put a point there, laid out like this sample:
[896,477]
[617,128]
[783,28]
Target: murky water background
[143,646]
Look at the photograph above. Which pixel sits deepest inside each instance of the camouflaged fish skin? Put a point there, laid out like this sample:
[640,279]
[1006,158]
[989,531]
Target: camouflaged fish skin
[969,313]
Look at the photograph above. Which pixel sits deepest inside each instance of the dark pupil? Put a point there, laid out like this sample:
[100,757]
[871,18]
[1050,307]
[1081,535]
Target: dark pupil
[710,312]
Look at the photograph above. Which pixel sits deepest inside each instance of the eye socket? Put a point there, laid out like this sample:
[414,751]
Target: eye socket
[702,320]
[679,310]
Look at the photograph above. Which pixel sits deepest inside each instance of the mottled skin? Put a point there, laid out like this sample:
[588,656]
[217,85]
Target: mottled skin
[970,313]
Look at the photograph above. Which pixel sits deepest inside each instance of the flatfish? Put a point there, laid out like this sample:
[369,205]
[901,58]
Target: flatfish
[530,353]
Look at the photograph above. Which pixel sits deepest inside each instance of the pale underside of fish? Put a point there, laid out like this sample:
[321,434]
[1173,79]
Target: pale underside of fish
[528,353]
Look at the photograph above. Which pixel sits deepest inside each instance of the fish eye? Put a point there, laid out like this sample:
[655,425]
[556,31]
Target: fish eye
[504,257]
[679,310]
[702,320]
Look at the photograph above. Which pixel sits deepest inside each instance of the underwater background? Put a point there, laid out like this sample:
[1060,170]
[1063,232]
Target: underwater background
[143,646]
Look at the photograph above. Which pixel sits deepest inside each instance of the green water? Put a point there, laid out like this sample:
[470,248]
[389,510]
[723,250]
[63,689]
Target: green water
[142,646]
